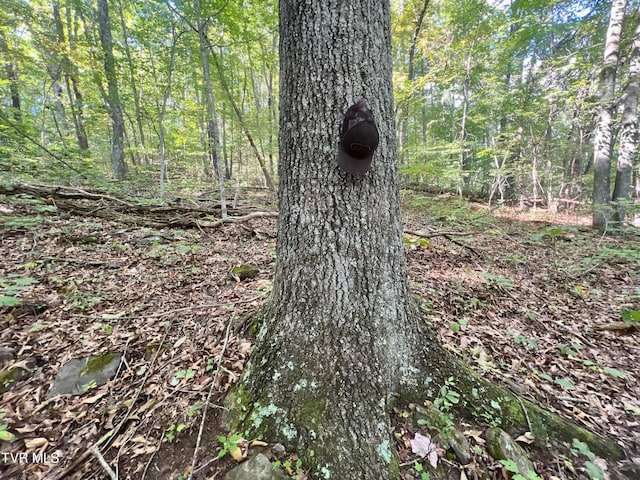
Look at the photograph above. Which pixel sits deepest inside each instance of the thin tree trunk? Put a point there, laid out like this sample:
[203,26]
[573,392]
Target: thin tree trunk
[628,135]
[115,110]
[243,124]
[162,108]
[462,156]
[212,120]
[74,96]
[602,211]
[403,110]
[12,77]
[132,81]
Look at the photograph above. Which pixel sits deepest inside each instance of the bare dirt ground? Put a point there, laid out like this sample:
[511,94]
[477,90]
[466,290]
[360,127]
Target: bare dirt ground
[536,305]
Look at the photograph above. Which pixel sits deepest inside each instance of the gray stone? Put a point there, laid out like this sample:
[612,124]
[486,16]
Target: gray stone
[459,444]
[78,373]
[6,354]
[502,447]
[256,468]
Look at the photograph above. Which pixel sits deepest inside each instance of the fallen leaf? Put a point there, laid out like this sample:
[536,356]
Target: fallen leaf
[33,443]
[527,438]
[94,399]
[423,446]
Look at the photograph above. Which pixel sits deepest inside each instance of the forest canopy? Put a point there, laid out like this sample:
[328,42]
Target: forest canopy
[497,100]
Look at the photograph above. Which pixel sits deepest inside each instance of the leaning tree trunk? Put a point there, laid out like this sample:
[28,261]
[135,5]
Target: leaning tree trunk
[602,211]
[342,340]
[628,134]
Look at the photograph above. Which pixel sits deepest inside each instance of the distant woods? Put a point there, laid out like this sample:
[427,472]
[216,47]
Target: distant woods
[531,103]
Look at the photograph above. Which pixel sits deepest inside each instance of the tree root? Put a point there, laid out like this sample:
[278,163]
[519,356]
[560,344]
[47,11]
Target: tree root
[491,404]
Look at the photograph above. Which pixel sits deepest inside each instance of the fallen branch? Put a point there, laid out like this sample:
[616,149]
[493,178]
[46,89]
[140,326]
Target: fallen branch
[432,234]
[107,468]
[243,218]
[448,236]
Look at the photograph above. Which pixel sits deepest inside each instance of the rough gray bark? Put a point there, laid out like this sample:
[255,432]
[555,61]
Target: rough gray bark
[341,340]
[334,347]
[628,134]
[113,98]
[602,211]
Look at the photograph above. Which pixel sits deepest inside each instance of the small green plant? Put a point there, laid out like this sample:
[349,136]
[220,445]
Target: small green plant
[614,372]
[194,409]
[457,325]
[414,243]
[5,435]
[631,317]
[592,469]
[447,397]
[36,327]
[211,363]
[498,281]
[511,466]
[523,340]
[89,386]
[554,232]
[106,328]
[569,351]
[229,445]
[12,287]
[294,470]
[419,468]
[180,374]
[174,429]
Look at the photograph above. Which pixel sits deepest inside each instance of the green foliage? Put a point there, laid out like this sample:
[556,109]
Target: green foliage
[415,242]
[459,324]
[614,372]
[523,340]
[293,469]
[419,467]
[194,409]
[511,466]
[497,281]
[553,232]
[12,287]
[569,351]
[593,470]
[182,374]
[632,317]
[228,444]
[5,434]
[447,397]
[173,430]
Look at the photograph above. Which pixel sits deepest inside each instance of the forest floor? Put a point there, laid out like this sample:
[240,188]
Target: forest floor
[536,301]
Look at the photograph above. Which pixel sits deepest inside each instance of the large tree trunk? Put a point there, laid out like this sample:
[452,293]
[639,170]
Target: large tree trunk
[342,340]
[113,98]
[602,211]
[341,327]
[628,134]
